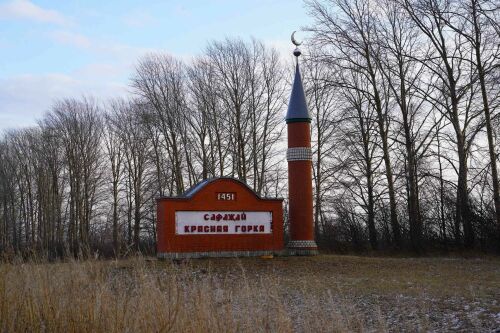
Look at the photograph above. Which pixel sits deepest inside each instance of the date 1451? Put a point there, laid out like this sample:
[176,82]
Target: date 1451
[226,196]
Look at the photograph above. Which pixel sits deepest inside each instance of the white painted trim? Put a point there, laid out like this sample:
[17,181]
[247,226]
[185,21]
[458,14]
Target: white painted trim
[299,154]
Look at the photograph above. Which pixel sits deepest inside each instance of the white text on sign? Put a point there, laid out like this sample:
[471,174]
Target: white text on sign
[210,222]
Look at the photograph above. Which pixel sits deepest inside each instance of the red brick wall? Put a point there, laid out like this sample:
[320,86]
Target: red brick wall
[206,200]
[299,134]
[300,213]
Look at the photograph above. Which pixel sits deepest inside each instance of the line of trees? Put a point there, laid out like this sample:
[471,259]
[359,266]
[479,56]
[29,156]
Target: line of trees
[404,96]
[413,156]
[86,177]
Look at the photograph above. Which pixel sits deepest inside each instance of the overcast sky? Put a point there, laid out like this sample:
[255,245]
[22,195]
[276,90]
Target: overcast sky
[56,49]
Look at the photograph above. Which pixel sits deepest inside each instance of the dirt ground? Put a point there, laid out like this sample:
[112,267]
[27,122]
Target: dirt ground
[380,294]
[325,293]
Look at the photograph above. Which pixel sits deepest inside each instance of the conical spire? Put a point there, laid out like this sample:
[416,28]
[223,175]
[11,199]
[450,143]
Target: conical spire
[297,108]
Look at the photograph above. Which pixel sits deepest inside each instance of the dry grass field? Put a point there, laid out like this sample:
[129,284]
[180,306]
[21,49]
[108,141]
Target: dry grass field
[327,293]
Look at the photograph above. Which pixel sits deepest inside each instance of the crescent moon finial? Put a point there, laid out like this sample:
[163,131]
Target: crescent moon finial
[294,41]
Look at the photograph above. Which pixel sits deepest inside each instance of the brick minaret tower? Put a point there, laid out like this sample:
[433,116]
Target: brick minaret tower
[299,157]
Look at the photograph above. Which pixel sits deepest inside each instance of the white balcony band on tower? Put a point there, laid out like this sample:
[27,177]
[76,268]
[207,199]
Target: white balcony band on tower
[299,154]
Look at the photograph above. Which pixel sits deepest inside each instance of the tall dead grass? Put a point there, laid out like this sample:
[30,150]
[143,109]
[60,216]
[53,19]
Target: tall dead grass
[137,296]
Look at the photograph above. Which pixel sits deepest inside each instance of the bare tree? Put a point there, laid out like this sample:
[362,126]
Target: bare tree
[203,117]
[448,61]
[475,23]
[160,80]
[114,146]
[349,40]
[78,123]
[129,122]
[232,69]
[358,137]
[397,38]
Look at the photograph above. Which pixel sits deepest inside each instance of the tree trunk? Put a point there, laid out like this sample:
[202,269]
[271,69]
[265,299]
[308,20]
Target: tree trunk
[487,115]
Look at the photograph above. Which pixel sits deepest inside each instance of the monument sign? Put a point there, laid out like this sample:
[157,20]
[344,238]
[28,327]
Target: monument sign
[224,217]
[219,217]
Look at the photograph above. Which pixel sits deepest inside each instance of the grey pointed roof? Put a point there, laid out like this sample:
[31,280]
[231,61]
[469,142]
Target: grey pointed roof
[297,108]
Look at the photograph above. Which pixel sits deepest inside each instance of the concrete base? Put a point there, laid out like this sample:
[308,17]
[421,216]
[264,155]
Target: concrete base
[303,252]
[302,248]
[215,254]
